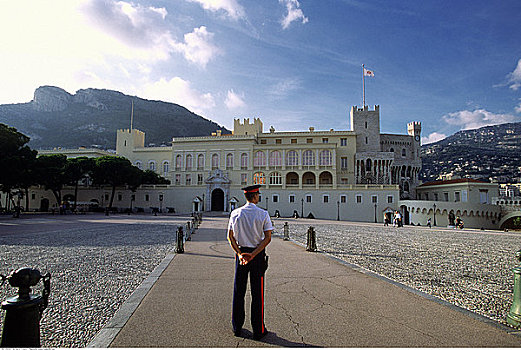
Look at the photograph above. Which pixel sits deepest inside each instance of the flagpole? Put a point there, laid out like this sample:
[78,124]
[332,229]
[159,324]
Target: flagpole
[363,86]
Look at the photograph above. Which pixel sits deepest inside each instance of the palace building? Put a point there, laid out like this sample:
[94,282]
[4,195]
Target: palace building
[358,174]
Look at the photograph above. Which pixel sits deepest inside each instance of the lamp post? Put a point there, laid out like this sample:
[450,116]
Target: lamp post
[337,210]
[202,204]
[434,205]
[375,220]
[302,209]
[160,203]
[267,201]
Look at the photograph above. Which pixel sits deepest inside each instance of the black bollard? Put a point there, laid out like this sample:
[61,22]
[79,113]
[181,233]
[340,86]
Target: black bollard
[286,231]
[188,231]
[311,242]
[23,312]
[179,249]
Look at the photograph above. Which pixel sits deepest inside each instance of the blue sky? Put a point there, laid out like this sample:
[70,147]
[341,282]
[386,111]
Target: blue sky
[450,64]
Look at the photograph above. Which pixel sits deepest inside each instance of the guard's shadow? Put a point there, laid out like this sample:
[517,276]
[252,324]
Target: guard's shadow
[273,339]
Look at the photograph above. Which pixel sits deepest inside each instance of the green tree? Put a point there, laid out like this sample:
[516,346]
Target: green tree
[15,160]
[77,169]
[113,171]
[50,172]
[152,178]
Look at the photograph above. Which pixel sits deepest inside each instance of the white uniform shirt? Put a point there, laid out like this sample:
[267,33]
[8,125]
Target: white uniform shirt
[248,224]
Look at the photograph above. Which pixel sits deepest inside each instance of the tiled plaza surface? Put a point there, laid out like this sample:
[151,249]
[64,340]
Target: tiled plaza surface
[96,262]
[468,268]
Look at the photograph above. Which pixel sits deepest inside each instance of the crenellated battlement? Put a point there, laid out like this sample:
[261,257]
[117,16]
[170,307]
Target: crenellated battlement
[247,128]
[414,128]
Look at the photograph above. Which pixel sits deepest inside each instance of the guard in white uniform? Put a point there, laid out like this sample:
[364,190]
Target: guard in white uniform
[249,232]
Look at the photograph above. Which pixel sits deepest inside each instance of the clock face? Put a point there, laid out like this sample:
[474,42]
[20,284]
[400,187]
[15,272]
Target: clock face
[417,138]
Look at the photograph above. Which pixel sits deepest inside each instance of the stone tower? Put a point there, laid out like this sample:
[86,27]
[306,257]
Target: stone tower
[127,140]
[366,124]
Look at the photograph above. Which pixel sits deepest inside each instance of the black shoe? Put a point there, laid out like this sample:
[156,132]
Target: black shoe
[260,335]
[237,333]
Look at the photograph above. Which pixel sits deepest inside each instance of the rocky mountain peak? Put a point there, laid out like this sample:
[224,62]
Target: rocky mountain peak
[50,99]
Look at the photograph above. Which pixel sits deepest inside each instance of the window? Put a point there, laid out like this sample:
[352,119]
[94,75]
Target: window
[275,198]
[309,140]
[483,196]
[404,152]
[229,161]
[263,142]
[391,150]
[106,196]
[200,162]
[244,179]
[189,162]
[436,197]
[244,160]
[178,162]
[308,198]
[147,197]
[188,179]
[456,197]
[275,178]
[293,140]
[366,125]
[366,140]
[139,165]
[177,179]
[325,198]
[152,165]
[215,161]
[325,157]
[343,199]
[120,197]
[292,158]
[344,181]
[275,158]
[343,163]
[199,179]
[325,140]
[33,196]
[259,159]
[166,166]
[259,179]
[359,198]
[308,158]
[292,198]
[389,199]
[374,199]
[343,142]
[446,196]
[426,196]
[278,141]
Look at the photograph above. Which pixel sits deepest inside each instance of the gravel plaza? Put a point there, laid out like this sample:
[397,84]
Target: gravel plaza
[96,262]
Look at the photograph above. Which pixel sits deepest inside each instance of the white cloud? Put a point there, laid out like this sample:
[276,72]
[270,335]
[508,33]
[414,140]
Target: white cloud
[234,101]
[284,87]
[477,119]
[294,13]
[197,47]
[230,7]
[514,78]
[180,91]
[433,137]
[518,107]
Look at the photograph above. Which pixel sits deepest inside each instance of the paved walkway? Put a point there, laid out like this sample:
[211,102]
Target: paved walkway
[311,300]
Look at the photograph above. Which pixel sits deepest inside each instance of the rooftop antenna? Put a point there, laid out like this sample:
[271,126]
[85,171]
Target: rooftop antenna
[132,115]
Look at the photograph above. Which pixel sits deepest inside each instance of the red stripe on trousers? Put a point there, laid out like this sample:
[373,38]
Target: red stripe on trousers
[262,305]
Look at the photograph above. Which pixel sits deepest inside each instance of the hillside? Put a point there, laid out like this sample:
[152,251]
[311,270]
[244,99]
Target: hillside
[91,117]
[488,153]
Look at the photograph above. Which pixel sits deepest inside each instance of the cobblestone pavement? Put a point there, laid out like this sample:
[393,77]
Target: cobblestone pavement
[468,268]
[96,262]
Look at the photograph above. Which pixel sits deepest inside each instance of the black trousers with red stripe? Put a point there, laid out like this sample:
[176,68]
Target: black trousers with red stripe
[255,269]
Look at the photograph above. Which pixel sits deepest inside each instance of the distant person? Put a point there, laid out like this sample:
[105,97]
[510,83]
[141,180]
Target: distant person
[429,222]
[249,232]
[398,218]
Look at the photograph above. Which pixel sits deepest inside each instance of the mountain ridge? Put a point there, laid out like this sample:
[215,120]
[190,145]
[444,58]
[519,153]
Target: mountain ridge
[91,117]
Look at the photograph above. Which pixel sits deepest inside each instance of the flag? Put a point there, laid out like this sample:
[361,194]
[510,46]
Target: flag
[368,73]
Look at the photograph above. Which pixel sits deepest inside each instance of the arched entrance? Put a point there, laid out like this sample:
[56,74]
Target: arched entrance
[44,204]
[217,200]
